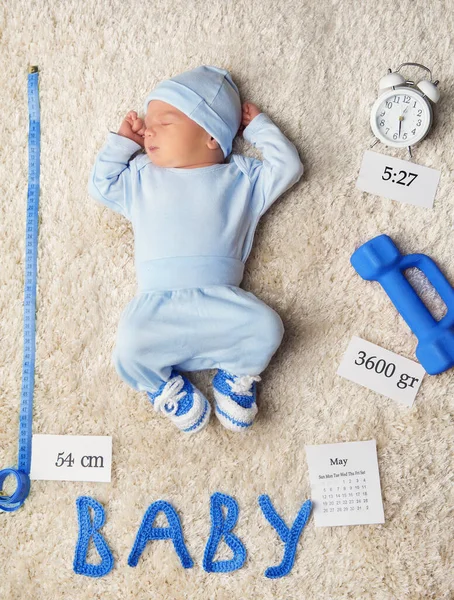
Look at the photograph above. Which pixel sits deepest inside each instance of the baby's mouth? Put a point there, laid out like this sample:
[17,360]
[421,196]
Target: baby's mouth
[152,148]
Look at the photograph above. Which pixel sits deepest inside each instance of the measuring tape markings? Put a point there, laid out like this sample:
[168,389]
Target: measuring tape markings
[22,473]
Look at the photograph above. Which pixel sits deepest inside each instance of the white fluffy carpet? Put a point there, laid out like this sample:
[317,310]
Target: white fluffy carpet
[313,66]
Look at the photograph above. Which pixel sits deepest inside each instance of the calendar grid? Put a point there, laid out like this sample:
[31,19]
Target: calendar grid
[342,495]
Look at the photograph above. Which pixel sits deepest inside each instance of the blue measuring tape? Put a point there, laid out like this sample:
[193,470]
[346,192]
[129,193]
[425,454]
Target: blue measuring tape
[22,473]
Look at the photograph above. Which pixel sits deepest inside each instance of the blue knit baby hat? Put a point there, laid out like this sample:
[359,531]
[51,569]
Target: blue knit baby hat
[208,96]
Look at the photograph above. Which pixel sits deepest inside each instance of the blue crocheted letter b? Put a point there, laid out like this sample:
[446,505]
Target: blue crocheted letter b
[87,529]
[219,528]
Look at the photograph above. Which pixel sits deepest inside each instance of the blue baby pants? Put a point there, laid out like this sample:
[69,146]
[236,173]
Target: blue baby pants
[191,329]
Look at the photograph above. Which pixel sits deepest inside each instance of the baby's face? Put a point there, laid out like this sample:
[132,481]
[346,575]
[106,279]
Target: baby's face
[172,139]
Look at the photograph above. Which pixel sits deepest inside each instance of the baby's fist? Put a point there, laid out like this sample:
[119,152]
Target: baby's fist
[250,111]
[133,128]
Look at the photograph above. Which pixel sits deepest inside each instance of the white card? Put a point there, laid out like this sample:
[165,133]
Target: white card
[345,484]
[398,179]
[382,371]
[71,457]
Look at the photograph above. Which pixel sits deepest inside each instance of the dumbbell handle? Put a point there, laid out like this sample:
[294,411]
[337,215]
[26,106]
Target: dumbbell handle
[407,301]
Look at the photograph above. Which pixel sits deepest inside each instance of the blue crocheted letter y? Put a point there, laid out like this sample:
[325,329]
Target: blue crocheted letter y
[290,537]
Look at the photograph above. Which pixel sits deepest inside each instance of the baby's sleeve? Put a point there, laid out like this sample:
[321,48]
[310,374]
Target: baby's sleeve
[281,167]
[111,176]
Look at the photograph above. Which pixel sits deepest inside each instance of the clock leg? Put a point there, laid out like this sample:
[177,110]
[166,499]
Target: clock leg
[409,151]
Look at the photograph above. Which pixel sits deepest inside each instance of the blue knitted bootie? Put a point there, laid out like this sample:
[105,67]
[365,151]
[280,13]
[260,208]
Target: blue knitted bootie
[235,399]
[182,402]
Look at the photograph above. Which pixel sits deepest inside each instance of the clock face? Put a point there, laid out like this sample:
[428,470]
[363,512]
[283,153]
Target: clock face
[401,117]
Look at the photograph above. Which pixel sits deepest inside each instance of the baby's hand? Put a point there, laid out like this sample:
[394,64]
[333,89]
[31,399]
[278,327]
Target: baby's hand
[250,111]
[133,128]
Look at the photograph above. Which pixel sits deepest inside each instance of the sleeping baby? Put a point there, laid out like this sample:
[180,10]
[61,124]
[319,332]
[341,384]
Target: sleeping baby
[194,208]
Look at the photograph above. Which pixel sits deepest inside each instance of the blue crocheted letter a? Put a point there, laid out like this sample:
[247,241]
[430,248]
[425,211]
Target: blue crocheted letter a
[290,537]
[219,528]
[148,532]
[87,529]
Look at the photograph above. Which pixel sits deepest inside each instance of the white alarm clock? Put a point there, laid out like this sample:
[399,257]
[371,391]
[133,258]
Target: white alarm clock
[402,114]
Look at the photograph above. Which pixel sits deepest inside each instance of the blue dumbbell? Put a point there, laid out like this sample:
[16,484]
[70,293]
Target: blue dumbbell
[380,260]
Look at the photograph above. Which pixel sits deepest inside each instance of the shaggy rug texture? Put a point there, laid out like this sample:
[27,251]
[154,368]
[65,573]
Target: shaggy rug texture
[313,66]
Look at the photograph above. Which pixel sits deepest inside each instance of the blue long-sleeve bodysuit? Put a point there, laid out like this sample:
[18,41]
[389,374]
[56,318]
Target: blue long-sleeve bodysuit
[193,231]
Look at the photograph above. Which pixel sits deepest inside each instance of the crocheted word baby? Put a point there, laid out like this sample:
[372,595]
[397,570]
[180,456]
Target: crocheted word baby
[221,528]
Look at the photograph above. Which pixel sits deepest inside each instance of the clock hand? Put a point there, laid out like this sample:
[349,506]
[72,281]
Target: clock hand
[400,123]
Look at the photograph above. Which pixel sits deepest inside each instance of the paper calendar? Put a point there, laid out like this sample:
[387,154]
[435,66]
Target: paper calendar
[345,484]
